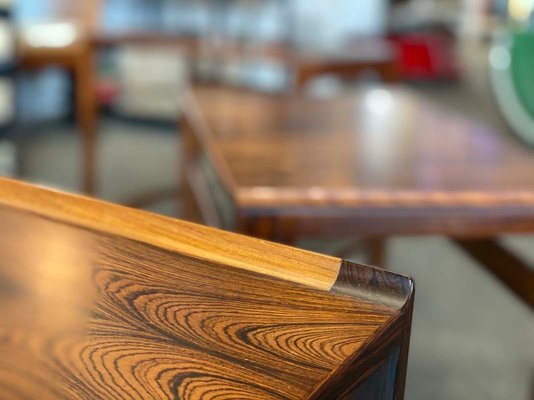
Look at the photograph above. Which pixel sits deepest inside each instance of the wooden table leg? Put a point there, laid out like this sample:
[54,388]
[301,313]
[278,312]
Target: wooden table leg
[502,263]
[86,115]
[373,247]
[301,76]
[260,227]
[190,148]
[376,251]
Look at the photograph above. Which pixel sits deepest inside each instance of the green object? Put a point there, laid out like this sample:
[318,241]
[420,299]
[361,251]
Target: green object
[512,73]
[522,69]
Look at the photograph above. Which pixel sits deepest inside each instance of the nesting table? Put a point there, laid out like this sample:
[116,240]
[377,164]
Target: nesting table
[99,301]
[377,162]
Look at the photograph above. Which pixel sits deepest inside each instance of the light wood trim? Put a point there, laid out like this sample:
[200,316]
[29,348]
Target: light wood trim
[288,196]
[194,240]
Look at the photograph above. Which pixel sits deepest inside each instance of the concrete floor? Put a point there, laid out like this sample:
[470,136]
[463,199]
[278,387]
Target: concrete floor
[471,338]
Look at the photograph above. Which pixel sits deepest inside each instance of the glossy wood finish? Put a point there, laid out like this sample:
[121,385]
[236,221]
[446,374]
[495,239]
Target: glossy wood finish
[98,301]
[377,162]
[177,236]
[348,157]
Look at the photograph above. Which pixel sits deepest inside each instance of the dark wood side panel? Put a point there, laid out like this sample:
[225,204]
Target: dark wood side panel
[357,370]
[365,282]
[381,384]
[380,221]
[91,315]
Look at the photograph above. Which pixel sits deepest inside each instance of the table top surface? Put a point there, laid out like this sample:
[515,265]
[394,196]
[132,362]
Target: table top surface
[381,146]
[101,301]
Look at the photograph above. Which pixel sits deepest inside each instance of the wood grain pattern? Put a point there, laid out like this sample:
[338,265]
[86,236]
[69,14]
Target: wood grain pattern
[350,159]
[268,258]
[373,163]
[91,314]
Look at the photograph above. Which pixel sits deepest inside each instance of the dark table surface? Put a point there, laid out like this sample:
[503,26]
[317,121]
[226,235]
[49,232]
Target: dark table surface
[383,151]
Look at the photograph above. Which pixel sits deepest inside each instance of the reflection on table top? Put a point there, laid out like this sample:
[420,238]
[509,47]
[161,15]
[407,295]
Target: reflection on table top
[379,145]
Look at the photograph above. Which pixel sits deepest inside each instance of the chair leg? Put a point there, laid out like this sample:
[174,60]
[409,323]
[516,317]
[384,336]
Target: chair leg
[86,116]
[376,250]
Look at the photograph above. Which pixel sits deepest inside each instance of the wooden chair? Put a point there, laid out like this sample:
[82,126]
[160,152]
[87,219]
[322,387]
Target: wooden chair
[64,41]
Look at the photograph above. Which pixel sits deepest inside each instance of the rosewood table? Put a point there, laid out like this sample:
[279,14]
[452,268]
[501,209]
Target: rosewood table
[382,161]
[99,301]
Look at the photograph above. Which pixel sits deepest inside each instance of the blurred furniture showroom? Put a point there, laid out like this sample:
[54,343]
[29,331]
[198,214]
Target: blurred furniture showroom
[267,199]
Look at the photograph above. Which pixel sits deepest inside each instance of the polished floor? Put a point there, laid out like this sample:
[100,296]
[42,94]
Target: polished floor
[471,338]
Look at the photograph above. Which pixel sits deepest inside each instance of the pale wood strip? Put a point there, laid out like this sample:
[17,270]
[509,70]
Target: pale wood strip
[190,239]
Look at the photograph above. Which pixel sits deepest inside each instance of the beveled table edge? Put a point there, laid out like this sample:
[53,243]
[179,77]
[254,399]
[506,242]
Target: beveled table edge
[304,267]
[238,251]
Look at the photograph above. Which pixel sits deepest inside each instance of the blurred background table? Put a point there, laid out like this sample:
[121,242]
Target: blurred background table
[78,58]
[99,301]
[373,163]
[374,56]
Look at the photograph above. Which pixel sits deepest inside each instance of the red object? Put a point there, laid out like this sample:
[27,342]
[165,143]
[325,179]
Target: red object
[427,56]
[106,91]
